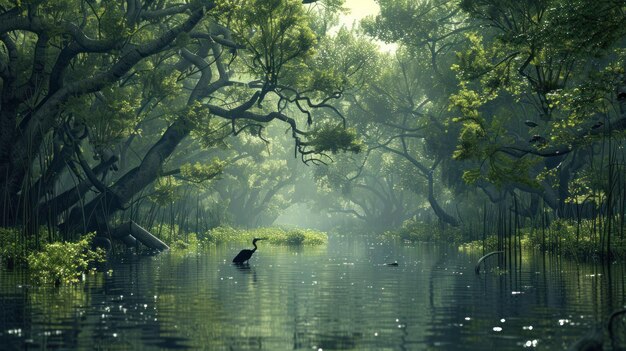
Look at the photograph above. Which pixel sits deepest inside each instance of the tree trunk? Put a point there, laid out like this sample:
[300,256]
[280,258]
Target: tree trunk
[96,212]
[439,211]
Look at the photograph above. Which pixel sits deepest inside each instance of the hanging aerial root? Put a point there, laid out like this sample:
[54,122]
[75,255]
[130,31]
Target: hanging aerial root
[477,268]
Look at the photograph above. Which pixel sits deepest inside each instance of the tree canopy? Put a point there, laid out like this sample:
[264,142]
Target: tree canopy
[124,110]
[102,79]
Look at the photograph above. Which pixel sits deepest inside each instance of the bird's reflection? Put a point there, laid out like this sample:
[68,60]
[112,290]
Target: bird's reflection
[247,269]
[244,267]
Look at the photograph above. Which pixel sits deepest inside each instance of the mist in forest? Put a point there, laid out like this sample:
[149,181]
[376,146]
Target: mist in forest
[379,116]
[207,126]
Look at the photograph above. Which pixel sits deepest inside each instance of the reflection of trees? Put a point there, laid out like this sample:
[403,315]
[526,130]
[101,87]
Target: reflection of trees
[149,84]
[335,297]
[545,292]
[369,189]
[42,316]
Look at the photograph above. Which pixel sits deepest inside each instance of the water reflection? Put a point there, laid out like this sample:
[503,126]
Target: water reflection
[244,267]
[339,297]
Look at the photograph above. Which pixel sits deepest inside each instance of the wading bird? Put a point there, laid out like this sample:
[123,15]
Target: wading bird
[244,255]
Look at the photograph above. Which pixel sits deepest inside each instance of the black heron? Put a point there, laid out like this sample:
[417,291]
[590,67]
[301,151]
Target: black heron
[244,255]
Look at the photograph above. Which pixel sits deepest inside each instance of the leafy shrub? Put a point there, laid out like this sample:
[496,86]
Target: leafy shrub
[564,237]
[63,262]
[313,237]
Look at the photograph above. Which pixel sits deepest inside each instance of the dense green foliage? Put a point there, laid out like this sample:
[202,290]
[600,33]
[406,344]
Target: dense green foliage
[64,262]
[492,117]
[524,101]
[152,91]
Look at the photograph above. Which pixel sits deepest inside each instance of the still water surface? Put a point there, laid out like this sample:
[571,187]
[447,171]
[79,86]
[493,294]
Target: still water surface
[337,297]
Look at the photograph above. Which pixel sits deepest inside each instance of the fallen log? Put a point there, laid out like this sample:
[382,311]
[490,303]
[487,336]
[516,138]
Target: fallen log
[129,240]
[131,232]
[477,268]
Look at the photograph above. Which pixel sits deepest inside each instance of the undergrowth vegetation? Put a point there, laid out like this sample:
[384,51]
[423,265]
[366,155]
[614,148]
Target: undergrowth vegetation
[223,234]
[275,235]
[62,263]
[48,261]
[580,240]
[583,239]
[415,231]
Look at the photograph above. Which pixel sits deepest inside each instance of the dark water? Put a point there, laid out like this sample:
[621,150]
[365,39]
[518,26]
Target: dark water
[339,297]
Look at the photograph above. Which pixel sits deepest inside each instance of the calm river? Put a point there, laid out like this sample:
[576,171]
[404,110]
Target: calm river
[337,297]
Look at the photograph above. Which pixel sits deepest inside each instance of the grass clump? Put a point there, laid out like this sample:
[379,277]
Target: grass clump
[64,262]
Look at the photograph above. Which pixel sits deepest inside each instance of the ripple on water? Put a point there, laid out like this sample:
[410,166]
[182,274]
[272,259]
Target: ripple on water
[339,297]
